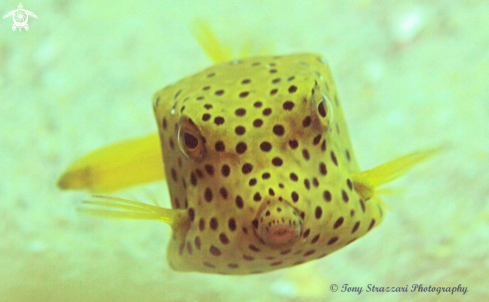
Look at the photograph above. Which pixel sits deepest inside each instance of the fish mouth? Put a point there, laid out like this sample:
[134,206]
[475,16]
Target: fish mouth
[278,224]
[280,235]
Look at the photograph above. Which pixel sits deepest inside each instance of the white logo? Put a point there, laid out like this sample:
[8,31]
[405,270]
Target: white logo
[20,17]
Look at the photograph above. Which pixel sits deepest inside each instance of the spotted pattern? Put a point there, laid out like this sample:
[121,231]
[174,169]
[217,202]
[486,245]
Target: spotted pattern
[258,153]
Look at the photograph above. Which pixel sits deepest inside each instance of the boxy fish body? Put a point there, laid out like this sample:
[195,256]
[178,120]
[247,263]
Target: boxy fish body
[257,151]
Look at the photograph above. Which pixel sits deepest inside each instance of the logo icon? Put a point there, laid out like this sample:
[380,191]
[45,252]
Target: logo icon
[20,17]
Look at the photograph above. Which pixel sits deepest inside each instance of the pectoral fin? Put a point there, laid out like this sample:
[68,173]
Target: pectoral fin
[119,208]
[365,183]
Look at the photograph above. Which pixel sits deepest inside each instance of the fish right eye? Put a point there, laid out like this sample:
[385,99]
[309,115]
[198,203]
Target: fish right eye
[190,141]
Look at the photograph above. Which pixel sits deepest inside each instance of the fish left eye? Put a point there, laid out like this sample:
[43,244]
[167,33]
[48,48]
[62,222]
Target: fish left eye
[324,110]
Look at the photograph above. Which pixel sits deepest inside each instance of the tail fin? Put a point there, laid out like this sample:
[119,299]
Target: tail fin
[116,166]
[365,183]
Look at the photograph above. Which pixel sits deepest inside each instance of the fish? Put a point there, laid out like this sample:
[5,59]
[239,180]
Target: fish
[259,164]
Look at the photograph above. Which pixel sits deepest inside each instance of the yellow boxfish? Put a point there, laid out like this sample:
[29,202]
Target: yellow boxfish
[259,165]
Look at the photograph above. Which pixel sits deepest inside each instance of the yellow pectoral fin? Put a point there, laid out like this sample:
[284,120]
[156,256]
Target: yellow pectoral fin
[119,208]
[116,166]
[365,183]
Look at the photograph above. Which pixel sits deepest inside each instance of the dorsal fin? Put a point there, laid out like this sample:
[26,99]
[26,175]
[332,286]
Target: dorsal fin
[210,43]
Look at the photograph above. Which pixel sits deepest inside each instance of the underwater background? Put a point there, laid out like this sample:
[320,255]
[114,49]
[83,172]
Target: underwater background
[410,74]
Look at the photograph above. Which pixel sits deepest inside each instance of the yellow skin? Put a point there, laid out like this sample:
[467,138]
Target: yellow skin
[259,164]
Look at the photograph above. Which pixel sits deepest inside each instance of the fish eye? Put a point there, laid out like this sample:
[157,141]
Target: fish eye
[190,141]
[324,110]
